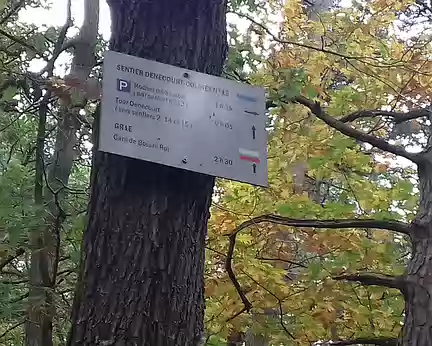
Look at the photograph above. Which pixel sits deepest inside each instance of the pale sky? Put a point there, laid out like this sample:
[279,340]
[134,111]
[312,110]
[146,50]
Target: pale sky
[57,15]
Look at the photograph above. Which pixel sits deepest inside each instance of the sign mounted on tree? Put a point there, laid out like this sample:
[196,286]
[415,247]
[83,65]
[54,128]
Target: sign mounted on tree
[185,119]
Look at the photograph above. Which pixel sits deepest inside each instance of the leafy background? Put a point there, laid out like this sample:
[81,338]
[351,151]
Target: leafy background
[365,56]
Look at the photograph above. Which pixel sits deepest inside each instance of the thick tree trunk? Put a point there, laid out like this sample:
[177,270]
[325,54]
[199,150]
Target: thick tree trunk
[417,329]
[143,254]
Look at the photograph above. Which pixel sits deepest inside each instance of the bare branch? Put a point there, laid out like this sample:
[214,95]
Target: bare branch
[370,60]
[282,260]
[11,329]
[18,299]
[13,11]
[244,309]
[281,312]
[22,42]
[363,341]
[398,117]
[14,273]
[17,282]
[10,258]
[389,281]
[347,130]
[390,225]
[57,223]
[60,44]
[279,40]
[228,266]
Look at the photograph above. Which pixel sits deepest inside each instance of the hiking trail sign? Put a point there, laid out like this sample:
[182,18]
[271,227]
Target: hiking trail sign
[185,119]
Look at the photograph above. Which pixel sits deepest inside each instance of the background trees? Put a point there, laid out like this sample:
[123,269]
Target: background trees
[368,65]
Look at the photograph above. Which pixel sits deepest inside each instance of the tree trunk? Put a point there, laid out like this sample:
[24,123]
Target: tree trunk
[417,328]
[235,338]
[141,279]
[253,339]
[45,242]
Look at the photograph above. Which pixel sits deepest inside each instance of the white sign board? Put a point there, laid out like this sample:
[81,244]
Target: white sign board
[184,119]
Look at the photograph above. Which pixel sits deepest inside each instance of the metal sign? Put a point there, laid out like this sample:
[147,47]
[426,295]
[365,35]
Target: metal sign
[184,119]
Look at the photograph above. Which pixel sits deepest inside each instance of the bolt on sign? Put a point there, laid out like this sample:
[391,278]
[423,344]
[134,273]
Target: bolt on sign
[184,119]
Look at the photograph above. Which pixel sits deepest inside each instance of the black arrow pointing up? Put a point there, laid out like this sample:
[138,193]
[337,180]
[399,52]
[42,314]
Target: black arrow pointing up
[254,168]
[253,131]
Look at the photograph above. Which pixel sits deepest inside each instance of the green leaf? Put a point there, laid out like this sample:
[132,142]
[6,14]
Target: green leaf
[310,92]
[315,269]
[75,256]
[39,42]
[51,33]
[30,54]
[291,90]
[9,93]
[284,209]
[245,238]
[15,235]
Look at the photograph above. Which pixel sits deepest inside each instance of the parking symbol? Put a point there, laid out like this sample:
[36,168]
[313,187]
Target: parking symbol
[123,85]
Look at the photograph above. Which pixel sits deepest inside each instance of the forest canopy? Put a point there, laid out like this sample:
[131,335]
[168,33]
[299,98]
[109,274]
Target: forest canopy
[334,251]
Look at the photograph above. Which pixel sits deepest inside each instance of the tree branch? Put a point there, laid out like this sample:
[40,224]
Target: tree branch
[281,312]
[362,341]
[40,144]
[390,225]
[244,309]
[11,329]
[279,40]
[10,258]
[17,282]
[282,260]
[397,282]
[228,266]
[18,299]
[281,220]
[366,59]
[398,117]
[59,219]
[13,11]
[22,42]
[60,44]
[349,131]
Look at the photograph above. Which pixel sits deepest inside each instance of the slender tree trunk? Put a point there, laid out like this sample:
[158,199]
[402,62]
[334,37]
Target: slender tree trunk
[141,279]
[235,338]
[417,328]
[255,340]
[38,327]
[45,242]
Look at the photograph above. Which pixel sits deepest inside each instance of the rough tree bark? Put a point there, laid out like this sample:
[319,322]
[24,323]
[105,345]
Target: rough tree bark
[141,280]
[417,328]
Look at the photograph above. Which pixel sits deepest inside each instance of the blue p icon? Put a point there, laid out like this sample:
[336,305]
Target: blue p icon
[123,85]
